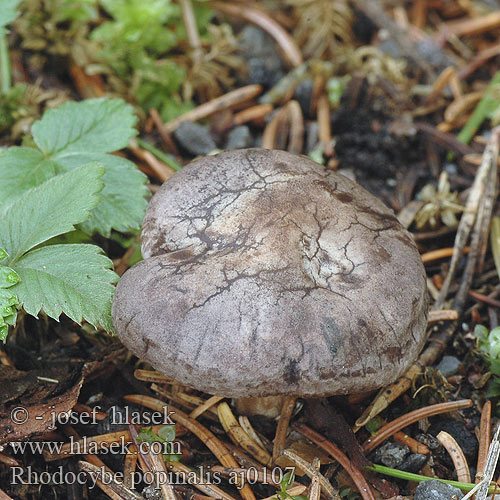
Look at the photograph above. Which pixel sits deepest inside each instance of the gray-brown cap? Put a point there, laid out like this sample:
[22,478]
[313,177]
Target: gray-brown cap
[265,273]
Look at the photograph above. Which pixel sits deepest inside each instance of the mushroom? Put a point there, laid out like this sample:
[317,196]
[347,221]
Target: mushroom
[265,273]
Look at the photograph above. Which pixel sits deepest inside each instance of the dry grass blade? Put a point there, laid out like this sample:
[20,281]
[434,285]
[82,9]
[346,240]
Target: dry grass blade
[484,438]
[315,488]
[239,436]
[495,242]
[107,482]
[414,416]
[296,134]
[129,466]
[254,113]
[216,105]
[185,400]
[440,253]
[200,483]
[191,29]
[457,456]
[265,22]
[248,428]
[279,121]
[490,466]
[159,470]
[152,376]
[208,438]
[205,406]
[483,176]
[328,489]
[4,496]
[442,315]
[324,127]
[159,169]
[284,421]
[356,475]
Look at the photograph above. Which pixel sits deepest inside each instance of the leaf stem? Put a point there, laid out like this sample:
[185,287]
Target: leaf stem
[481,111]
[159,154]
[410,476]
[5,62]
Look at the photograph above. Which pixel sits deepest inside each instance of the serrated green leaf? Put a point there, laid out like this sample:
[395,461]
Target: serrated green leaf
[76,280]
[123,202]
[50,209]
[8,277]
[22,169]
[95,125]
[8,12]
[73,135]
[3,254]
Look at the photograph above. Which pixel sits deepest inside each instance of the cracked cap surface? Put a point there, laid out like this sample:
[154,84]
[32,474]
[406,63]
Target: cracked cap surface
[266,273]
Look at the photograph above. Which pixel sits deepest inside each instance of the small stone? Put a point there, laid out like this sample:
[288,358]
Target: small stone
[429,440]
[194,138]
[463,436]
[436,490]
[152,493]
[413,463]
[239,138]
[265,66]
[391,454]
[303,94]
[449,366]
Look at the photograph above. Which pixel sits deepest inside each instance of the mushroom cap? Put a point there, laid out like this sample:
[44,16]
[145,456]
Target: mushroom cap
[265,273]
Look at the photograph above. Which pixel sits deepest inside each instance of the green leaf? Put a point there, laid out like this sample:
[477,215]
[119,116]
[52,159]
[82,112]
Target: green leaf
[22,169]
[167,433]
[3,254]
[494,366]
[76,280]
[94,125]
[287,480]
[8,311]
[8,12]
[71,136]
[147,435]
[8,277]
[123,201]
[50,209]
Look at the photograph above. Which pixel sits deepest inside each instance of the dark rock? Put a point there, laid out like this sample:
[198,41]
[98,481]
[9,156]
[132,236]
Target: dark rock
[303,94]
[391,454]
[115,421]
[261,55]
[435,490]
[430,441]
[463,436]
[194,138]
[413,463]
[449,365]
[152,493]
[312,136]
[239,138]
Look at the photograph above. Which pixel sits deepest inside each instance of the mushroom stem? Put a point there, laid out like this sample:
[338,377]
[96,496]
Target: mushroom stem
[266,406]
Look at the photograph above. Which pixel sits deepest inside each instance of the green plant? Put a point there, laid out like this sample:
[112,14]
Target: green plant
[488,107]
[74,279]
[166,434]
[347,494]
[8,13]
[285,483]
[73,135]
[489,344]
[410,476]
[132,45]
